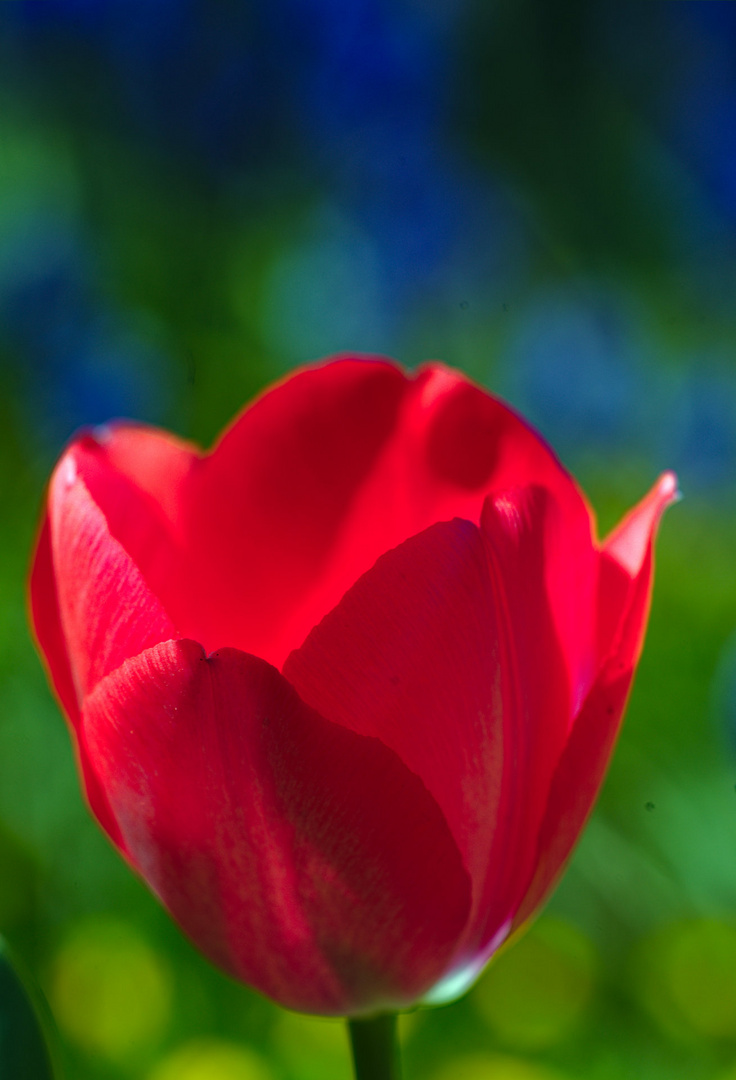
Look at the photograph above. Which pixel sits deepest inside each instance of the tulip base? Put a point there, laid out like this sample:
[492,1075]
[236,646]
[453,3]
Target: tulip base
[375,1048]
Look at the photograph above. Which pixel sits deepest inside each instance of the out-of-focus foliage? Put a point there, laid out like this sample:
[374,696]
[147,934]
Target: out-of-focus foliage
[26,1034]
[195,195]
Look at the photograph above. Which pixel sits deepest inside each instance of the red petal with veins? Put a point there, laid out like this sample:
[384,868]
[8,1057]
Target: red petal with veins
[107,612]
[302,857]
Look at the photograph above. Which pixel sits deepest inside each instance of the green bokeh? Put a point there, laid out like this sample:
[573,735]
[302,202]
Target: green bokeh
[536,993]
[212,1059]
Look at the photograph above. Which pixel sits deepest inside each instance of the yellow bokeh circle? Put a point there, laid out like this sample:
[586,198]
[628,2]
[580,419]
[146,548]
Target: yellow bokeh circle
[211,1059]
[686,977]
[494,1067]
[111,991]
[535,993]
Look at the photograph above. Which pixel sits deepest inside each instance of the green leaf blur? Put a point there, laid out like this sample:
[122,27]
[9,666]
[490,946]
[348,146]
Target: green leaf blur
[24,1048]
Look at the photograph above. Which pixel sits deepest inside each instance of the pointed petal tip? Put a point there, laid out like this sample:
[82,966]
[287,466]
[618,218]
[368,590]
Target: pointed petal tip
[629,541]
[667,489]
[665,493]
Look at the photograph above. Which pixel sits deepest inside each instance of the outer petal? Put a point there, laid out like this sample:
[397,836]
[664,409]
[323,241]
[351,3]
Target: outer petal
[252,544]
[155,463]
[302,857]
[519,531]
[106,611]
[50,636]
[138,478]
[622,559]
[626,578]
[47,623]
[446,650]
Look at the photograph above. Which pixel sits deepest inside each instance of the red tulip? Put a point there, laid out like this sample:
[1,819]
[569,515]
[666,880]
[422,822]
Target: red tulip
[344,688]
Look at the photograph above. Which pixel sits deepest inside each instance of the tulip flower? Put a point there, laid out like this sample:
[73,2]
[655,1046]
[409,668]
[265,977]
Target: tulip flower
[342,689]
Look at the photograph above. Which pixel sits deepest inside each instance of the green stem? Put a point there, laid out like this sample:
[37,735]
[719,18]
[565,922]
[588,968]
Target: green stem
[375,1047]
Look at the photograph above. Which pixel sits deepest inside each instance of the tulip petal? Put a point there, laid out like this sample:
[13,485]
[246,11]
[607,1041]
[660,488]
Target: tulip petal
[137,476]
[107,612]
[576,783]
[266,506]
[47,624]
[230,541]
[50,636]
[630,542]
[303,858]
[626,577]
[252,544]
[155,463]
[452,445]
[466,424]
[446,650]
[518,530]
[411,656]
[623,555]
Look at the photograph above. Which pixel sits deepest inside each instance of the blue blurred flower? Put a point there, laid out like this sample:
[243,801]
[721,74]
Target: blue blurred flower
[571,364]
[183,77]
[687,89]
[80,361]
[372,82]
[700,439]
[353,98]
[325,293]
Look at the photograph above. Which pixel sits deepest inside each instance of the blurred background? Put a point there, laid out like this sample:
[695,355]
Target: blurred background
[197,195]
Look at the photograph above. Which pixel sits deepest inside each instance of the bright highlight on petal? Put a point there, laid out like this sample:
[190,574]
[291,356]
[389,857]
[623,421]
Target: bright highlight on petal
[342,689]
[686,978]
